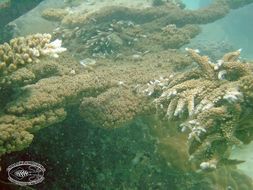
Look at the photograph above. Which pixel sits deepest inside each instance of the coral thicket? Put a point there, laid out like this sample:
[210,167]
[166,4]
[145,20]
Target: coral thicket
[21,64]
[210,101]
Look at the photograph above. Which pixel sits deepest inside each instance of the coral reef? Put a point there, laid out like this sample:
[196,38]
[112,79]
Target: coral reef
[116,159]
[54,14]
[112,108]
[114,30]
[121,30]
[51,85]
[210,99]
[208,102]
[16,132]
[34,85]
[21,64]
[22,51]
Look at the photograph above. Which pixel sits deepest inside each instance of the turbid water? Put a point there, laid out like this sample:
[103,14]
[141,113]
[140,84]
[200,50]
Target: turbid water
[145,94]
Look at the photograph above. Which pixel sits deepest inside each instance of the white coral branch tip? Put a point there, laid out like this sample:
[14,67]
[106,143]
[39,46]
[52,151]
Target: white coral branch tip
[53,48]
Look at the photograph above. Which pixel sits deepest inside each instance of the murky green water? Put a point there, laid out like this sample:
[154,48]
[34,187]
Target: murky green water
[145,94]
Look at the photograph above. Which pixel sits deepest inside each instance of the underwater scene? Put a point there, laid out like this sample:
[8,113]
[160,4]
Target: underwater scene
[126,95]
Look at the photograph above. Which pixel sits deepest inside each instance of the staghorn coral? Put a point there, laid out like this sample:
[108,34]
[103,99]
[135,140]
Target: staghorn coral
[209,100]
[43,96]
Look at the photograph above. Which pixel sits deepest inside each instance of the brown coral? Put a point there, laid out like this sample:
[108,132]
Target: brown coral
[16,131]
[113,108]
[24,61]
[210,92]
[210,103]
[22,52]
[54,14]
[151,29]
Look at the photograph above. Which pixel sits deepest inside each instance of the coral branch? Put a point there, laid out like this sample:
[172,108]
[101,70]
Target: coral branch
[214,100]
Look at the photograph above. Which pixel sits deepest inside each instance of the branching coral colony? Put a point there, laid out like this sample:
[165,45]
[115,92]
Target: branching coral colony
[26,50]
[210,101]
[16,58]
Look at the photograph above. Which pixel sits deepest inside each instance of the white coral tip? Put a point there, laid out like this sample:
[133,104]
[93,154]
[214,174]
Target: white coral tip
[184,128]
[221,75]
[56,43]
[55,55]
[233,96]
[208,165]
[197,51]
[216,67]
[220,62]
